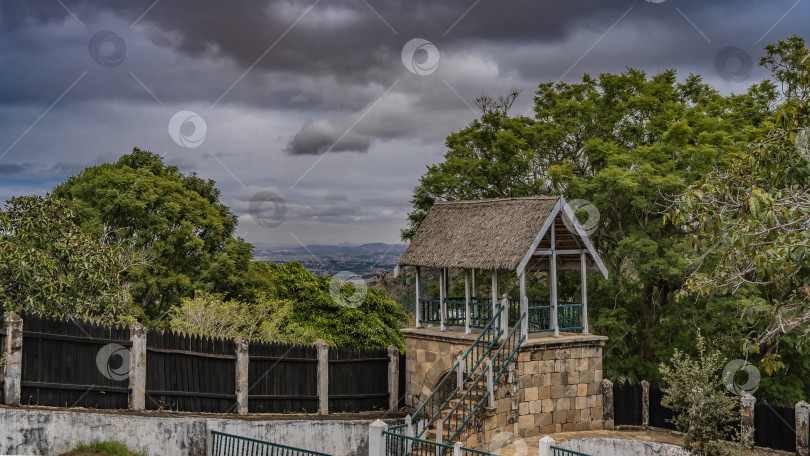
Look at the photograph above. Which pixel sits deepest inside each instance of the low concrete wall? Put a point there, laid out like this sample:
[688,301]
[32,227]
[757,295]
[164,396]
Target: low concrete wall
[46,431]
[596,446]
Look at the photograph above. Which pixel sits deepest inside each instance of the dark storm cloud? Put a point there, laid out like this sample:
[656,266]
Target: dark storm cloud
[321,136]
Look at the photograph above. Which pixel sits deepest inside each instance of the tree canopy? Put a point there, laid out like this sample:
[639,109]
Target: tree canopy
[627,144]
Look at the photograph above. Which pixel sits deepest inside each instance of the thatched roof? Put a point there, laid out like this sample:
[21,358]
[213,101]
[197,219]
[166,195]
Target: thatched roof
[495,234]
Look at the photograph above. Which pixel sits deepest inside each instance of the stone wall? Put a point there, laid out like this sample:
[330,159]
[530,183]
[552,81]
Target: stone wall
[551,385]
[428,357]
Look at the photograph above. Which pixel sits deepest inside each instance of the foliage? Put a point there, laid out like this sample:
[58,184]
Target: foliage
[49,265]
[749,224]
[264,320]
[176,217]
[102,448]
[373,324]
[622,142]
[704,411]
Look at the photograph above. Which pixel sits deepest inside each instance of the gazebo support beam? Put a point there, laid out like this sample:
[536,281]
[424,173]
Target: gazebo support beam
[418,305]
[584,273]
[524,306]
[472,284]
[495,293]
[466,301]
[553,268]
[442,304]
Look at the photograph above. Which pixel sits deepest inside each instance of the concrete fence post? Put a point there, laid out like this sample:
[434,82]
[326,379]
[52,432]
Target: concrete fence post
[323,376]
[457,449]
[376,440]
[137,367]
[393,378]
[242,376]
[12,358]
[802,428]
[607,404]
[747,403]
[645,403]
[545,446]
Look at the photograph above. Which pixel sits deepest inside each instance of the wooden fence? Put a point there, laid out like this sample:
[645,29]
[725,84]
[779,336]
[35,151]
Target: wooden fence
[774,425]
[79,364]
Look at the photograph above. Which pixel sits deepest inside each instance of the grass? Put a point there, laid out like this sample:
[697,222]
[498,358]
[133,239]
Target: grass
[102,449]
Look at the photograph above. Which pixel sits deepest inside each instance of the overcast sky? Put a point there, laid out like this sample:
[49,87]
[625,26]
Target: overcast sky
[316,118]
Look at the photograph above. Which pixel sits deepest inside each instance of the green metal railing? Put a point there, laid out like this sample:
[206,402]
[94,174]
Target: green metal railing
[456,312]
[397,444]
[557,451]
[478,392]
[233,445]
[430,311]
[569,315]
[426,414]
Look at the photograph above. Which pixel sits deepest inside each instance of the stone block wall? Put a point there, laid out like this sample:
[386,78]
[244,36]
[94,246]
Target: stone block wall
[428,357]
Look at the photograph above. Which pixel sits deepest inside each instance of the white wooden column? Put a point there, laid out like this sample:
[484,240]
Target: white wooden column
[524,305]
[472,284]
[583,265]
[418,305]
[494,291]
[553,270]
[467,301]
[442,305]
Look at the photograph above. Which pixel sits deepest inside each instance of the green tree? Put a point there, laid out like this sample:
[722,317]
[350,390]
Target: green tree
[370,322]
[704,411]
[749,224]
[176,217]
[625,143]
[48,265]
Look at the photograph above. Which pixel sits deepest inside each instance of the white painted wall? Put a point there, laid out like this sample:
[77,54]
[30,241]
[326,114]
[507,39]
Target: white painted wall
[45,431]
[596,446]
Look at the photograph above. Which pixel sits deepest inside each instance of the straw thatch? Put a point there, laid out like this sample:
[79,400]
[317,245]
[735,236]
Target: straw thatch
[483,234]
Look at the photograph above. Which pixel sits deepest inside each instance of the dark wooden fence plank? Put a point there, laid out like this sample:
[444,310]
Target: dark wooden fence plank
[660,416]
[282,378]
[358,380]
[60,365]
[774,426]
[627,403]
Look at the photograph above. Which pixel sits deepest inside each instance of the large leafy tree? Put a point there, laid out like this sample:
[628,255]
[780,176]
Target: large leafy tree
[750,223]
[48,265]
[178,218]
[623,142]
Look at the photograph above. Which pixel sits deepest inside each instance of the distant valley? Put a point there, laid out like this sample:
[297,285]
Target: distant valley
[366,260]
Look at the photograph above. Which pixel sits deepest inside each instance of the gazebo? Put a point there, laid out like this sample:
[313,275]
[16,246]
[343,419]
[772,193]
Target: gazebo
[495,235]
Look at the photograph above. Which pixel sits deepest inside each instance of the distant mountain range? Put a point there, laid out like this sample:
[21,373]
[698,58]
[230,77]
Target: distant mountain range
[365,260]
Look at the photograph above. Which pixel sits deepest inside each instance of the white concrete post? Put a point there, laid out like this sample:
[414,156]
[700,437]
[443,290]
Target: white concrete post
[137,367]
[545,446]
[490,384]
[553,269]
[439,430]
[442,304]
[584,267]
[393,377]
[418,306]
[457,449]
[472,283]
[524,305]
[241,376]
[409,431]
[802,417]
[12,358]
[323,376]
[376,440]
[467,301]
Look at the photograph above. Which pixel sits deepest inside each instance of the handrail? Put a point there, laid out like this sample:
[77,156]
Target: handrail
[229,444]
[422,417]
[400,445]
[559,451]
[466,407]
